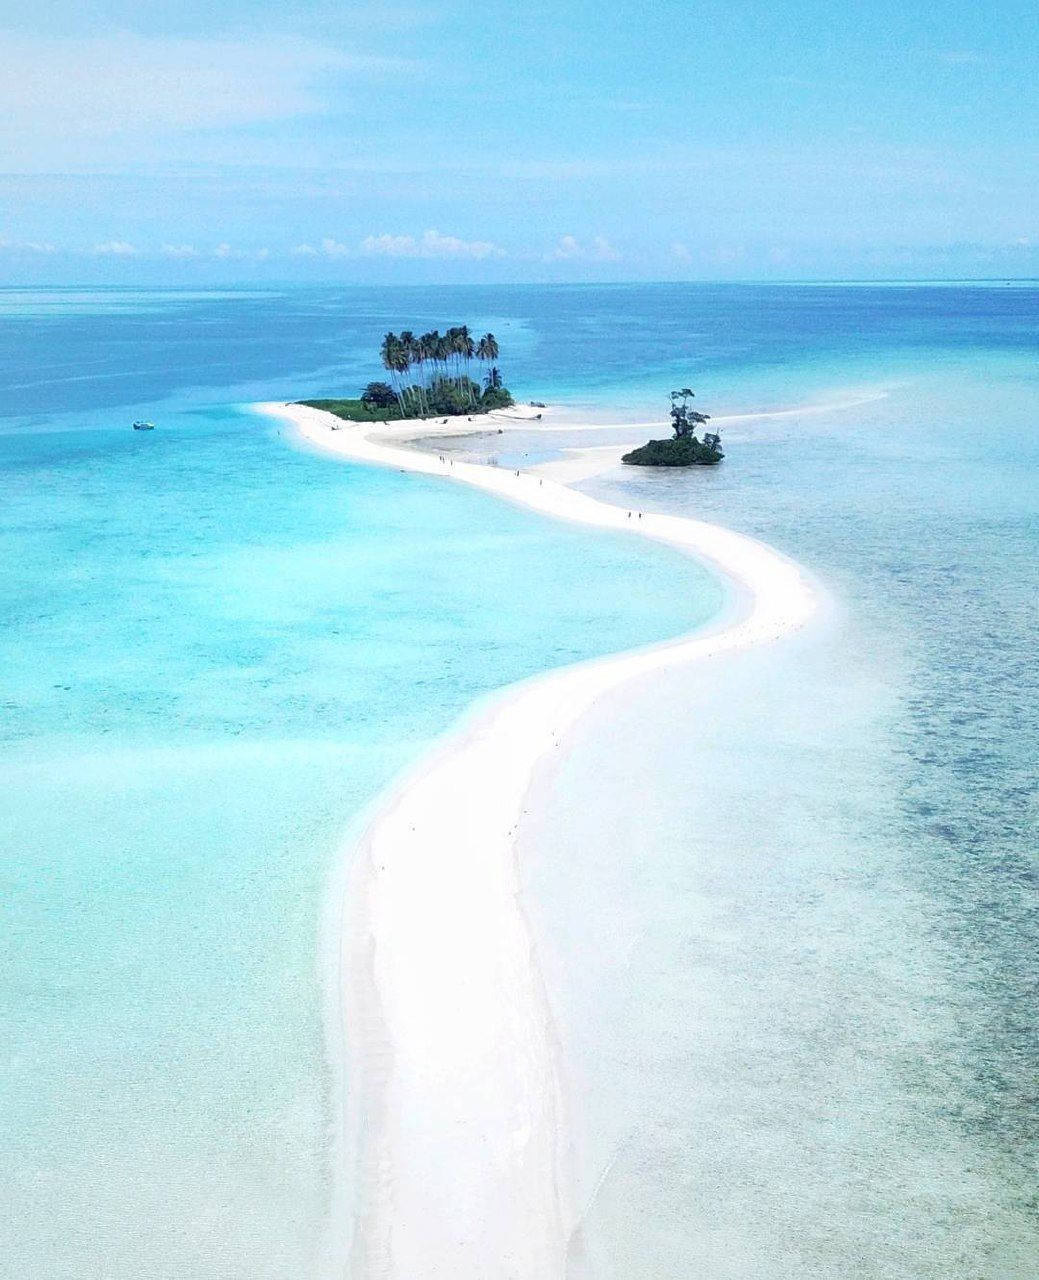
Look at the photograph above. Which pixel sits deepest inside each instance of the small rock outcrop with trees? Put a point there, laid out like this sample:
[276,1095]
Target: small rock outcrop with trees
[685,448]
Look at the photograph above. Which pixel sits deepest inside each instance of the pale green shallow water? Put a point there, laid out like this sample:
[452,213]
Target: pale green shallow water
[801,985]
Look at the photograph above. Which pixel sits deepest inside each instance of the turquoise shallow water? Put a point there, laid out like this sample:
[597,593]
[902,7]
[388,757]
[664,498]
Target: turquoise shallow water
[799,990]
[216,649]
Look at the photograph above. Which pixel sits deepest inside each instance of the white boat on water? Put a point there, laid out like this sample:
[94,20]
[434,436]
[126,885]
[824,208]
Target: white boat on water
[143,426]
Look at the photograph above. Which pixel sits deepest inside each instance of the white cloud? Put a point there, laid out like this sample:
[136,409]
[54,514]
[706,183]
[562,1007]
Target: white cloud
[680,253]
[333,249]
[226,252]
[567,248]
[390,246]
[182,251]
[115,249]
[603,251]
[570,249]
[303,251]
[431,244]
[66,90]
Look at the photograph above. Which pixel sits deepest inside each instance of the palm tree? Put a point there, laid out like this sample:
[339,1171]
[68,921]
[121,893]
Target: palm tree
[487,350]
[451,356]
[409,357]
[466,349]
[429,347]
[388,351]
[436,367]
[423,355]
[436,348]
[443,353]
[391,352]
[426,351]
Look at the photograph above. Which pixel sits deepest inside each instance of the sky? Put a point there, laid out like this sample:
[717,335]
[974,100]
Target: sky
[572,140]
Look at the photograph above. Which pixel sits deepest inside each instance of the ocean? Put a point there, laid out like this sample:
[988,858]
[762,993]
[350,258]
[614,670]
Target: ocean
[805,1041]
[217,648]
[808,1043]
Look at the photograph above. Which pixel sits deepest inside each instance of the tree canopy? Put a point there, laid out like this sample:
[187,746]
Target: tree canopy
[684,449]
[432,374]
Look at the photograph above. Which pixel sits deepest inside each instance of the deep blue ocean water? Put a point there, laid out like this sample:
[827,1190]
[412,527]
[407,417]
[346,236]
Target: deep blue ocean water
[216,648]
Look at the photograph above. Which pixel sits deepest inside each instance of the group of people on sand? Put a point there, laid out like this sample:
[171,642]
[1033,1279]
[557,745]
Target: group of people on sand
[450,462]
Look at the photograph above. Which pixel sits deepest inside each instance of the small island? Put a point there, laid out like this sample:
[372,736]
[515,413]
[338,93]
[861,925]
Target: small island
[684,449]
[430,376]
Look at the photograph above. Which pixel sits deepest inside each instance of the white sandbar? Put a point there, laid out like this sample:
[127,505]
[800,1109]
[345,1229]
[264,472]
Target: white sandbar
[457,1094]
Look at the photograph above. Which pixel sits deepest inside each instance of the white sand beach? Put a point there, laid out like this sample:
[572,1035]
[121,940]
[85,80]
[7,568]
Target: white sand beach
[459,1113]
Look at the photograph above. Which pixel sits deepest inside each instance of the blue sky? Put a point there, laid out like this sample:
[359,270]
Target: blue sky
[545,140]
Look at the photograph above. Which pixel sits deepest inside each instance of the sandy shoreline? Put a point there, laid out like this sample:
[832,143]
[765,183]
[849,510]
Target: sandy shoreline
[458,1110]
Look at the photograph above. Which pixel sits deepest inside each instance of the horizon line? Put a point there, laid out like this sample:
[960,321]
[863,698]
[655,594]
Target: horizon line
[518,284]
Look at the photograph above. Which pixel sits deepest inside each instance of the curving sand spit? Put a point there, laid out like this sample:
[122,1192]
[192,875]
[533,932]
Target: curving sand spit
[457,1109]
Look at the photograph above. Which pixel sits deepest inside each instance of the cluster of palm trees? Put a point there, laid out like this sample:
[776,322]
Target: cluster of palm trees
[431,373]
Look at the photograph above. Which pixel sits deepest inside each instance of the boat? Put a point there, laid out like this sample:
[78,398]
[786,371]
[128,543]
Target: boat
[140,425]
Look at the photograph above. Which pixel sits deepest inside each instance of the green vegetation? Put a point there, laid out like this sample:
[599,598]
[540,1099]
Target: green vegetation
[684,449]
[676,452]
[379,395]
[355,410]
[443,363]
[430,376]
